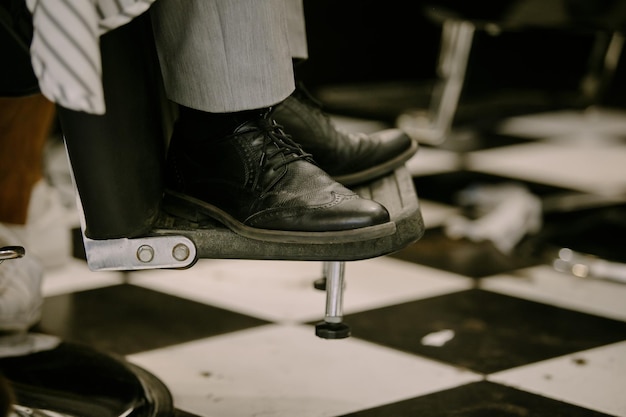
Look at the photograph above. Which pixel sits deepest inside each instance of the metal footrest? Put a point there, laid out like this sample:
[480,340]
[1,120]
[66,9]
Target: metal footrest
[396,192]
[150,252]
[178,243]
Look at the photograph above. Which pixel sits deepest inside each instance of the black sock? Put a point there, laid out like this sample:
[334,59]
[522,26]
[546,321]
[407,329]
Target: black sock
[198,125]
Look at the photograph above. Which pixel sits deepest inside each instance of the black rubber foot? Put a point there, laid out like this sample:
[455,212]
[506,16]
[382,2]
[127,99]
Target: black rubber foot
[332,330]
[320,284]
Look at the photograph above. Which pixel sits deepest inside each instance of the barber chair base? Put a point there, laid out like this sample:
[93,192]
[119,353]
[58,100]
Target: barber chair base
[71,380]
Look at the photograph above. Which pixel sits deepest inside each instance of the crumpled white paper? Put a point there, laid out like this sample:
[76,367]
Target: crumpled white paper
[510,212]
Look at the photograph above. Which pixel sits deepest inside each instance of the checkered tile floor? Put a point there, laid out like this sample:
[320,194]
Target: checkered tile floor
[446,327]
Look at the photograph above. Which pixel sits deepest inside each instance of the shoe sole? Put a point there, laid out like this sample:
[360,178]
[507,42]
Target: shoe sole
[378,170]
[197,211]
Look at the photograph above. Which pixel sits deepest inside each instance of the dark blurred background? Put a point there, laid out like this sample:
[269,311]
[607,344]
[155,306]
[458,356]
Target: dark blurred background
[526,55]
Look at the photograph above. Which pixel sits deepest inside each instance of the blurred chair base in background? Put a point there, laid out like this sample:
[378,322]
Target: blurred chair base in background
[459,22]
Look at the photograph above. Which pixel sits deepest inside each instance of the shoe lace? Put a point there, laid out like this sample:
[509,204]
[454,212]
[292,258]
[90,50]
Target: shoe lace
[273,134]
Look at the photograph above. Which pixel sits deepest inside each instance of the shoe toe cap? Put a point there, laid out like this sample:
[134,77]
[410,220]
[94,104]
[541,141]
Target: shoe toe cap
[359,212]
[392,142]
[348,213]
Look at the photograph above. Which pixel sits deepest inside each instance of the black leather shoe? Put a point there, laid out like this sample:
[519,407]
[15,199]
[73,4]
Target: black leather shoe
[350,158]
[260,184]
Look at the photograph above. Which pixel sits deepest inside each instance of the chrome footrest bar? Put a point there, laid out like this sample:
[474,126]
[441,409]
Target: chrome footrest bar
[140,253]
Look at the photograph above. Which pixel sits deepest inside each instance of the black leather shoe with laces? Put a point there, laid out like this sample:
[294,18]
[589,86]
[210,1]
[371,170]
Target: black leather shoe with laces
[350,158]
[262,185]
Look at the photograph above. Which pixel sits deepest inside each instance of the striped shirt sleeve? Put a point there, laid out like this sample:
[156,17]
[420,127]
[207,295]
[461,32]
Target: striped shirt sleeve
[65,50]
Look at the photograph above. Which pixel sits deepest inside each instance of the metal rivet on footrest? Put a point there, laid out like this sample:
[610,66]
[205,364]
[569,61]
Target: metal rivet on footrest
[181,252]
[145,253]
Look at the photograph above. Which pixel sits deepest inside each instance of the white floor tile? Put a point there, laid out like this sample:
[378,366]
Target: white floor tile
[282,291]
[435,214]
[544,284]
[287,371]
[594,378]
[76,276]
[591,123]
[428,161]
[597,169]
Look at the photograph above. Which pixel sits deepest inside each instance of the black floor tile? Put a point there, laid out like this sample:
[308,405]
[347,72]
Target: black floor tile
[445,187]
[182,413]
[471,259]
[478,259]
[492,332]
[598,231]
[480,399]
[126,319]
